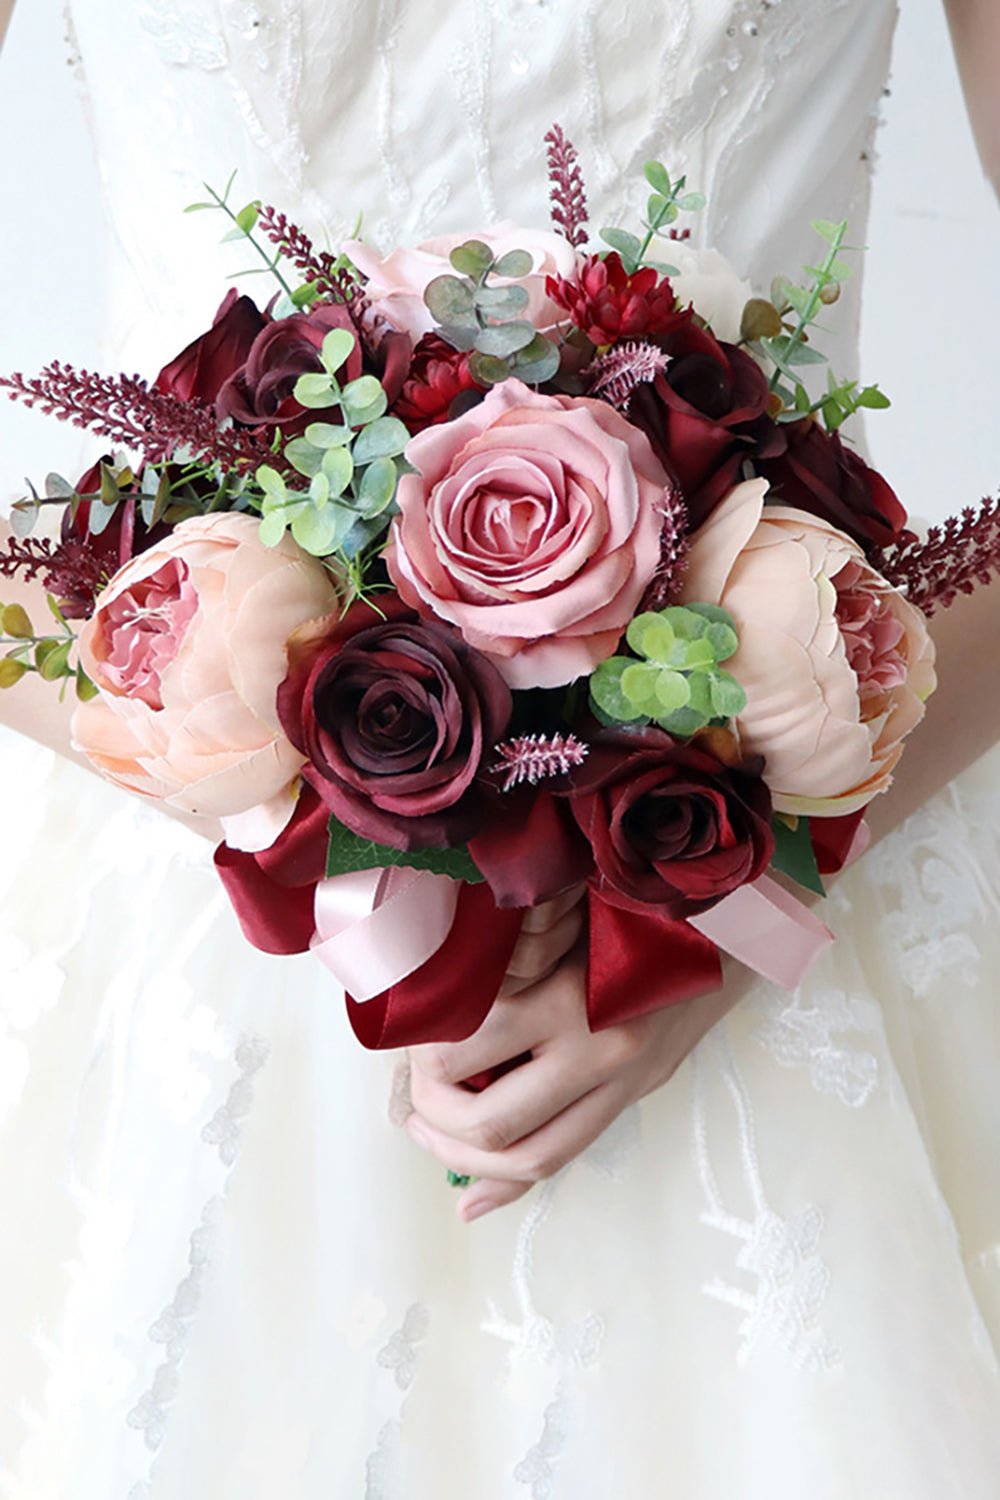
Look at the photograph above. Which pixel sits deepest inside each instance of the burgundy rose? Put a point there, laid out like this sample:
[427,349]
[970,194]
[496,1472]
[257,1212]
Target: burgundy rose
[259,393]
[395,717]
[670,823]
[201,370]
[607,304]
[705,415]
[820,475]
[437,375]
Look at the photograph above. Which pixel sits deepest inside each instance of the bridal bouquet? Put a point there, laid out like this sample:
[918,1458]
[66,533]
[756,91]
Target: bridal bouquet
[457,577]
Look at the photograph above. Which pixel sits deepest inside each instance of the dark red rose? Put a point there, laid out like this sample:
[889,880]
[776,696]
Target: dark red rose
[819,474]
[259,394]
[438,374]
[705,415]
[670,824]
[395,717]
[201,370]
[608,304]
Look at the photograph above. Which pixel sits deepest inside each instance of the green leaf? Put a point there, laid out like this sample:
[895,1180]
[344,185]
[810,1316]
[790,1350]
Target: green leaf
[486,369]
[728,697]
[874,399]
[271,483]
[319,531]
[378,486]
[347,852]
[694,655]
[672,691]
[658,177]
[723,639]
[652,636]
[56,663]
[16,623]
[504,339]
[327,435]
[363,400]
[384,438]
[305,295]
[22,518]
[85,689]
[304,455]
[692,203]
[832,233]
[99,517]
[502,302]
[683,722]
[55,611]
[336,349]
[794,855]
[451,300]
[315,391]
[537,361]
[607,694]
[657,207]
[473,259]
[628,245]
[272,528]
[515,264]
[58,488]
[337,469]
[248,216]
[11,671]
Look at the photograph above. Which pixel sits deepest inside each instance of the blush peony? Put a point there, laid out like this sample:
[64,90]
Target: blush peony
[395,284]
[533,525]
[835,663]
[187,649]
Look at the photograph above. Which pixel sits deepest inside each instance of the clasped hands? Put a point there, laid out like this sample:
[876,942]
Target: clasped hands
[570,1083]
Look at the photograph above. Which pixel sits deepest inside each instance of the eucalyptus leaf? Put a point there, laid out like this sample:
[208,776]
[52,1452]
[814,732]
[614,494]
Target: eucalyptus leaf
[271,483]
[691,203]
[272,527]
[304,456]
[384,438]
[451,300]
[337,469]
[378,485]
[100,516]
[473,259]
[658,177]
[502,302]
[628,245]
[461,336]
[504,339]
[515,264]
[363,400]
[314,390]
[325,435]
[58,488]
[22,518]
[537,362]
[336,349]
[672,690]
[487,370]
[320,532]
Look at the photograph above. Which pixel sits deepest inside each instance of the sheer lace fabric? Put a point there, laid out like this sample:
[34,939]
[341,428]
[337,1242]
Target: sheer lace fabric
[228,1273]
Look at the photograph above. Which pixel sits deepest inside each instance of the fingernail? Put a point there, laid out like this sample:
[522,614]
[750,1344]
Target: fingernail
[417,1133]
[475,1208]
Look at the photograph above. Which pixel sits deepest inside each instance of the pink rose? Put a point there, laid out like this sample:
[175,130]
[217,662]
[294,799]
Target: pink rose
[187,649]
[396,283]
[533,525]
[835,663]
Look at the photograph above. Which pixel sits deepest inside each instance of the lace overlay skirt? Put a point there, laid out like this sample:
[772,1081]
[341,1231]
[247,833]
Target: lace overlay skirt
[226,1272]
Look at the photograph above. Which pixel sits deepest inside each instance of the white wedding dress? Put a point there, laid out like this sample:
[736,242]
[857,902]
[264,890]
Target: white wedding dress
[225,1272]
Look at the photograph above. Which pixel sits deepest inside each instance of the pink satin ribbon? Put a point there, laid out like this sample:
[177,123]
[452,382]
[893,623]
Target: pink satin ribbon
[376,927]
[768,930]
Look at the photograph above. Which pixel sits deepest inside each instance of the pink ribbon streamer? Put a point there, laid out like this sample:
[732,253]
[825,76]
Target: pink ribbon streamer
[376,927]
[768,930]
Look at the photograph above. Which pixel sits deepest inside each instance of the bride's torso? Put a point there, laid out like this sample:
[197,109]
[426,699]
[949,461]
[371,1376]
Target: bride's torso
[427,115]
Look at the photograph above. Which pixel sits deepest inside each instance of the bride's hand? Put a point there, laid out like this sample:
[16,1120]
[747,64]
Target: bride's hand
[537,1117]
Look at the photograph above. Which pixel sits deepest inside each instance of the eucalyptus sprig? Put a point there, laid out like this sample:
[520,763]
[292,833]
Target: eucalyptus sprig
[666,203]
[487,321]
[243,221]
[33,651]
[675,679]
[352,465]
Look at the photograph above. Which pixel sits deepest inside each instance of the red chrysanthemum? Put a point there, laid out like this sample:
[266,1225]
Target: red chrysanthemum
[607,304]
[438,373]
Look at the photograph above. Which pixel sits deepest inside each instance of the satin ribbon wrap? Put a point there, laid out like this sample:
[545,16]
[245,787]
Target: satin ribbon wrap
[375,927]
[766,929]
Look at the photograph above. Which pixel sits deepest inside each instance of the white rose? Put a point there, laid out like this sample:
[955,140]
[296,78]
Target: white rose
[709,283]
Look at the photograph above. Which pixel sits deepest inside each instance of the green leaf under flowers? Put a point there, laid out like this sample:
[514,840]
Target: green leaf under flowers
[651,635]
[347,852]
[607,692]
[270,482]
[363,400]
[502,302]
[378,486]
[315,391]
[673,690]
[319,531]
[728,697]
[537,361]
[337,469]
[515,264]
[326,435]
[683,722]
[336,349]
[504,339]
[473,259]
[384,438]
[794,855]
[487,369]
[628,245]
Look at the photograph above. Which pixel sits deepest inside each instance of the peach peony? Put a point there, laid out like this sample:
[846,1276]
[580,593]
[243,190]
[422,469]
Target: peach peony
[187,649]
[835,663]
[395,283]
[533,525]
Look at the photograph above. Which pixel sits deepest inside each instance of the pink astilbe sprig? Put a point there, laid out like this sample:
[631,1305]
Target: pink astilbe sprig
[616,374]
[673,550]
[533,757]
[566,195]
[954,559]
[132,414]
[318,266]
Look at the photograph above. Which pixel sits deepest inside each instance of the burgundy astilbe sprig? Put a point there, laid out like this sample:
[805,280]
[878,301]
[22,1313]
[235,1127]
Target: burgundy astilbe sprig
[71,570]
[616,374]
[673,550]
[318,266]
[131,414]
[533,757]
[954,559]
[566,195]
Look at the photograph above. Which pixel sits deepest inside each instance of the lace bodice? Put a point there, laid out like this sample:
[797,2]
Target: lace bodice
[427,115]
